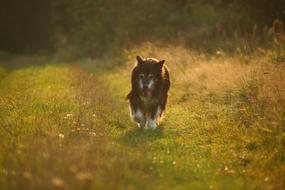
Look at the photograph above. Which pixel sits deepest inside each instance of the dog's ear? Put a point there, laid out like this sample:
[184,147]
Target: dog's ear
[140,60]
[160,63]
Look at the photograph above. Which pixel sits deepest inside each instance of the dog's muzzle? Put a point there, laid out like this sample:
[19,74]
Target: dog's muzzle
[146,91]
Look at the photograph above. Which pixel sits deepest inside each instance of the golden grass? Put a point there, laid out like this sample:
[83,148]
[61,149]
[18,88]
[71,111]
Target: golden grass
[65,128]
[203,74]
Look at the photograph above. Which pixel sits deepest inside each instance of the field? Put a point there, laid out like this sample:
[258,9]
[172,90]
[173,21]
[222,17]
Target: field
[65,124]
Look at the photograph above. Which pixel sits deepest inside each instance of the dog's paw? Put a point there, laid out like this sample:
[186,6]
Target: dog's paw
[142,125]
[151,124]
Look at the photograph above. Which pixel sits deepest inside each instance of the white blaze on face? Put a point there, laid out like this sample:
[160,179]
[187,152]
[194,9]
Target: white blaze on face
[146,81]
[151,84]
[141,76]
[141,84]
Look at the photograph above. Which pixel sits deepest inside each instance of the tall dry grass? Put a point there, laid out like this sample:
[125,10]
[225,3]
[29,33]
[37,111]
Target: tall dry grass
[257,75]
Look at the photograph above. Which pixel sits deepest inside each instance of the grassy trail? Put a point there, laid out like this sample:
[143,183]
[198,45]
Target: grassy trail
[65,128]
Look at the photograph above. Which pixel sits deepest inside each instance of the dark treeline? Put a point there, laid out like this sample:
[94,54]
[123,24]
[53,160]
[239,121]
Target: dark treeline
[25,25]
[91,27]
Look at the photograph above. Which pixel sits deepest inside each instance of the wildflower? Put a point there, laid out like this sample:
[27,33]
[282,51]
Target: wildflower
[27,175]
[266,179]
[67,116]
[61,135]
[93,134]
[58,182]
[83,176]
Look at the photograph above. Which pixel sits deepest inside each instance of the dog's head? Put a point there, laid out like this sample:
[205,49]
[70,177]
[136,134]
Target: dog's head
[147,75]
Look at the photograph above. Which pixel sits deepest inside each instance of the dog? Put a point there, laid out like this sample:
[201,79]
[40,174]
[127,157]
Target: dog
[149,92]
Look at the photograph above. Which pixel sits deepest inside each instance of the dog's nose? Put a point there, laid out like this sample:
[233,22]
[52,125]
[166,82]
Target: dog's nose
[145,87]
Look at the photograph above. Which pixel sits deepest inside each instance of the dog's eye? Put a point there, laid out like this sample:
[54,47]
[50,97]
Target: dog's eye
[141,76]
[150,76]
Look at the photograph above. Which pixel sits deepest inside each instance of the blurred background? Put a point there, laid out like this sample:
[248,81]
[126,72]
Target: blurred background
[92,27]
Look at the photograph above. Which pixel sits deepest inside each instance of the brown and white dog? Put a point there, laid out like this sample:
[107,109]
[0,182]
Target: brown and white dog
[148,96]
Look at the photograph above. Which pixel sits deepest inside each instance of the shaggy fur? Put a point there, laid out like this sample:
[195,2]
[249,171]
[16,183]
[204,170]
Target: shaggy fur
[148,96]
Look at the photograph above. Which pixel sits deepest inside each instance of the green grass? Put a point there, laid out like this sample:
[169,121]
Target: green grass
[67,126]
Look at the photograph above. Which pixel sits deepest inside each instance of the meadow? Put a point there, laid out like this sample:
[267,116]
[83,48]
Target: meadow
[65,124]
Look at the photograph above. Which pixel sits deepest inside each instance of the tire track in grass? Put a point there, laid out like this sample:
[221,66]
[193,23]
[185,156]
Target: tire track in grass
[112,166]
[58,118]
[32,107]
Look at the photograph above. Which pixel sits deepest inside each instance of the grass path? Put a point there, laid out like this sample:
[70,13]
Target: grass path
[65,128]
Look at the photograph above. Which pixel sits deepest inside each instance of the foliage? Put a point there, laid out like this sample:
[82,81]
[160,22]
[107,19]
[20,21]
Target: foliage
[93,27]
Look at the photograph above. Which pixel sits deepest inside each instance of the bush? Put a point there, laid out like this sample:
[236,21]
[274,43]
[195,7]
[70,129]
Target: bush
[93,27]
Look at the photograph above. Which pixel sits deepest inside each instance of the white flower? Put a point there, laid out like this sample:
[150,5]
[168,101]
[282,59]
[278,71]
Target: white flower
[93,134]
[58,182]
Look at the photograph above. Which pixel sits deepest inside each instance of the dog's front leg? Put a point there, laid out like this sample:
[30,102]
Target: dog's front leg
[138,116]
[152,118]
